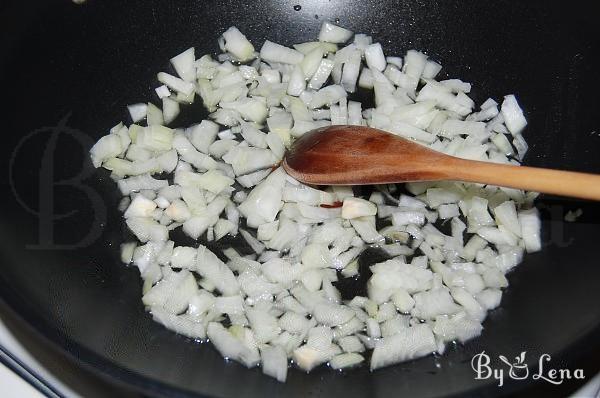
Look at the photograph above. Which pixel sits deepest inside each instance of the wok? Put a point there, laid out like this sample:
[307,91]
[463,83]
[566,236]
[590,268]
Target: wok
[67,73]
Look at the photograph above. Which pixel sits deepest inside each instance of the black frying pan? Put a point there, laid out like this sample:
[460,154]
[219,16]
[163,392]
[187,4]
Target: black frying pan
[67,73]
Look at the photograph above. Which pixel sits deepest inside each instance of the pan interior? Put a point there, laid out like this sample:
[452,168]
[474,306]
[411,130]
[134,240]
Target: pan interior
[68,72]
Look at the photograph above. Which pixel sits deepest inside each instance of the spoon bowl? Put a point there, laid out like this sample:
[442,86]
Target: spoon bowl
[359,155]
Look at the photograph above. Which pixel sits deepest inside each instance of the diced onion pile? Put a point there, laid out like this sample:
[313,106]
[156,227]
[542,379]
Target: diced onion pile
[281,303]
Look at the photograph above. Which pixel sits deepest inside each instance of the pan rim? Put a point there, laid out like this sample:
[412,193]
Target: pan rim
[116,374]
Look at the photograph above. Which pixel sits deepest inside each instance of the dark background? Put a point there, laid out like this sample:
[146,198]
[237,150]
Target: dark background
[77,67]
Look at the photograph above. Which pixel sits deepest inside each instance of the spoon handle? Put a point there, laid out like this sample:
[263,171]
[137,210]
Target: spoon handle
[565,183]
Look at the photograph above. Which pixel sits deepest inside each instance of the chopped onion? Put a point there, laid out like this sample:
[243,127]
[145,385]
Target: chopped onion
[431,69]
[238,45]
[162,91]
[176,83]
[170,110]
[321,75]
[203,135]
[334,34]
[280,299]
[351,71]
[137,111]
[346,360]
[274,362]
[232,347]
[327,96]
[356,207]
[513,115]
[409,343]
[106,148]
[307,47]
[374,57]
[184,65]
[530,229]
[273,52]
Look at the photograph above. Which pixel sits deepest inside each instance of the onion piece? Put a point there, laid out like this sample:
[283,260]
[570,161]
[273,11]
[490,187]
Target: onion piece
[274,362]
[231,347]
[246,160]
[254,243]
[410,343]
[431,69]
[513,115]
[176,83]
[202,135]
[374,57]
[282,298]
[334,34]
[311,62]
[146,229]
[459,327]
[531,229]
[346,360]
[264,201]
[162,91]
[307,47]
[238,45]
[137,111]
[252,109]
[321,75]
[273,52]
[327,96]
[184,65]
[356,207]
[297,82]
[351,71]
[140,207]
[170,110]
[106,148]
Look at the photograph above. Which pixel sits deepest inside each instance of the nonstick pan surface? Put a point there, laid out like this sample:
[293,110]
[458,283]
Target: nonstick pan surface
[67,73]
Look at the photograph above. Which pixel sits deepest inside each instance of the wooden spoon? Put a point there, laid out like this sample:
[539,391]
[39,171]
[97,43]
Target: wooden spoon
[358,155]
